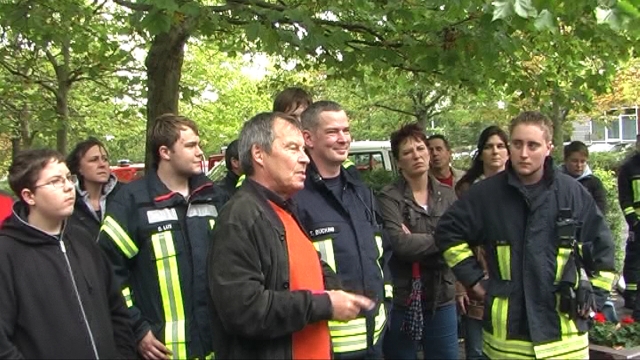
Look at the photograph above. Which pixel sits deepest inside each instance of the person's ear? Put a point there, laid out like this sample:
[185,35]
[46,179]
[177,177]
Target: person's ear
[28,197]
[164,152]
[257,154]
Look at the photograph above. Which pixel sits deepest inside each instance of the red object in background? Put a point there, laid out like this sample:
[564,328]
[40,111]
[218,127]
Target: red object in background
[213,160]
[6,206]
[627,320]
[599,317]
[127,172]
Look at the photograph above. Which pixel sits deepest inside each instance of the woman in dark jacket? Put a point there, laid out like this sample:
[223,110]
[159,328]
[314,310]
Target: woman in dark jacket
[490,158]
[89,161]
[423,286]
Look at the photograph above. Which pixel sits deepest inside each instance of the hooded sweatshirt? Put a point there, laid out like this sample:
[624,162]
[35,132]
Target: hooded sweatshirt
[83,213]
[593,184]
[58,298]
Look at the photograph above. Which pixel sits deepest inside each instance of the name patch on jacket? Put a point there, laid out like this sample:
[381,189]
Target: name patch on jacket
[160,215]
[202,210]
[328,230]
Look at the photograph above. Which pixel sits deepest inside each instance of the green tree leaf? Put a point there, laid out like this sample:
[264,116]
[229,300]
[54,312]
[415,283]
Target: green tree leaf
[525,9]
[502,10]
[545,21]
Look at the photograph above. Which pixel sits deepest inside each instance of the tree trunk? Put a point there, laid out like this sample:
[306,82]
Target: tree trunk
[62,110]
[423,119]
[164,69]
[25,136]
[15,146]
[558,117]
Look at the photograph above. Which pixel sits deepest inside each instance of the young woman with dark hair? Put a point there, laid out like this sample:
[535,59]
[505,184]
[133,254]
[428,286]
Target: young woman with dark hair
[490,158]
[89,161]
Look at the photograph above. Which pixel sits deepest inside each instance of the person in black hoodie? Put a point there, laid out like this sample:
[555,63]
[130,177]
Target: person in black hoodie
[59,297]
[96,185]
[575,165]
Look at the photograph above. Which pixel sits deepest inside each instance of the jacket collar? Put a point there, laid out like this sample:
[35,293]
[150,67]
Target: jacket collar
[548,175]
[17,227]
[199,187]
[433,185]
[315,179]
[106,188]
[585,174]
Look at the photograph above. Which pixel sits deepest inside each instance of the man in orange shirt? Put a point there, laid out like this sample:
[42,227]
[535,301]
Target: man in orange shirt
[266,280]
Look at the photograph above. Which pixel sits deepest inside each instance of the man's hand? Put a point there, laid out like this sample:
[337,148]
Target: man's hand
[463,301]
[347,306]
[151,348]
[406,229]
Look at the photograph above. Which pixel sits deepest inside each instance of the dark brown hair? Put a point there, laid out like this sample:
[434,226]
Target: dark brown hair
[166,131]
[27,166]
[576,146]
[411,130]
[290,99]
[78,152]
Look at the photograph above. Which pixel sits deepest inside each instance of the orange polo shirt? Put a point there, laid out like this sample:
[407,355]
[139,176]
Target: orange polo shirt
[305,273]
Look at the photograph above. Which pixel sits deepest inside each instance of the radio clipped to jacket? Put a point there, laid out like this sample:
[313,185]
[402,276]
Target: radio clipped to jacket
[576,293]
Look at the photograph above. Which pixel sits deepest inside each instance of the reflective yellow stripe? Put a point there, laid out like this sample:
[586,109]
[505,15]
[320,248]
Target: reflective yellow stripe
[325,248]
[506,349]
[126,292]
[561,261]
[240,180]
[169,281]
[504,261]
[454,255]
[628,210]
[499,314]
[635,184]
[212,223]
[570,347]
[348,163]
[631,287]
[603,280]
[352,335]
[388,291]
[119,237]
[388,288]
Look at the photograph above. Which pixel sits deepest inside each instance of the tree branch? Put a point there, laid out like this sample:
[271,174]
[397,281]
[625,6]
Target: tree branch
[51,58]
[394,109]
[134,6]
[27,77]
[433,102]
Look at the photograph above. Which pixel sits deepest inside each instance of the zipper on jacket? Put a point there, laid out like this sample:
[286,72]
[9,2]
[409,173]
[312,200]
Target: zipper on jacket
[75,290]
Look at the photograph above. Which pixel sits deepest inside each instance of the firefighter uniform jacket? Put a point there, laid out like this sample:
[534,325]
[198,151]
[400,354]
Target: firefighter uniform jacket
[525,261]
[629,189]
[347,234]
[629,197]
[157,241]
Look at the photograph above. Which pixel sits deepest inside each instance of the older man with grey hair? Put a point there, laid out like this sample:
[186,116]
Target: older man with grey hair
[267,283]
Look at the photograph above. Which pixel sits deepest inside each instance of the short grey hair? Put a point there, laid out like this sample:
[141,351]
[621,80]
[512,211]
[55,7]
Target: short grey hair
[259,131]
[311,116]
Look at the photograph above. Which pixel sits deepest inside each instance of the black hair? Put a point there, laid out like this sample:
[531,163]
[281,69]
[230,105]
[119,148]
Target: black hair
[231,153]
[477,166]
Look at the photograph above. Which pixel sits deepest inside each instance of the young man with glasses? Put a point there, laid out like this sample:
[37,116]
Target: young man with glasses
[59,297]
